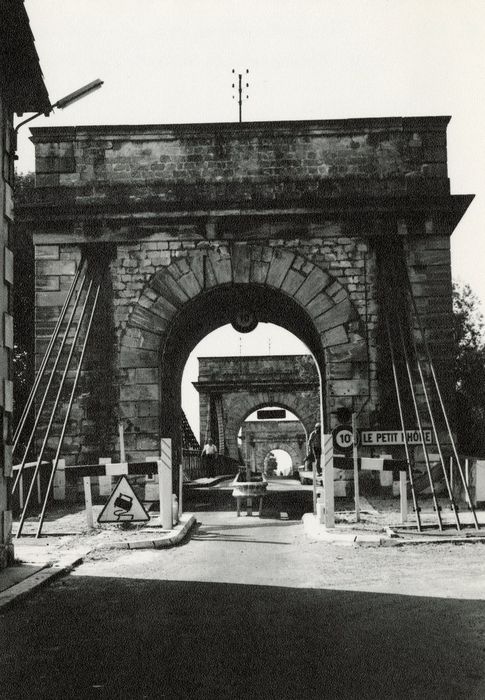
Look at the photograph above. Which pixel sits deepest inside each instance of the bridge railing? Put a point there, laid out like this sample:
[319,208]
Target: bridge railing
[194,468]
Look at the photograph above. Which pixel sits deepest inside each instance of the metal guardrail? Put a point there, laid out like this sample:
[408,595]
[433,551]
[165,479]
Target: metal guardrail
[194,468]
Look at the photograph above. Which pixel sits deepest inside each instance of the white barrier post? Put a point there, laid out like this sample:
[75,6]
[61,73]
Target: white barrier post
[165,483]
[88,500]
[59,485]
[39,493]
[121,435]
[328,491]
[403,493]
[181,488]
[105,486]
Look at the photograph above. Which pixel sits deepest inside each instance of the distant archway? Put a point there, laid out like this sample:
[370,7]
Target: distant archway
[284,463]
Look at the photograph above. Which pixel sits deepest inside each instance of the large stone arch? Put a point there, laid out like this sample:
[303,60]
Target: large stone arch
[322,296]
[198,290]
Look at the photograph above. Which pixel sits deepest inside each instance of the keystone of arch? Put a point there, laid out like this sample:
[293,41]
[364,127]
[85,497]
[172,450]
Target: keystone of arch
[321,296]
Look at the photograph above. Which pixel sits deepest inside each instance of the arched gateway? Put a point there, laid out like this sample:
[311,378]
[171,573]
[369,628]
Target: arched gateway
[196,226]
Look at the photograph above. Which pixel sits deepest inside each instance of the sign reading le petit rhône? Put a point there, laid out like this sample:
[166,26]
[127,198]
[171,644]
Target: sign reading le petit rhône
[394,437]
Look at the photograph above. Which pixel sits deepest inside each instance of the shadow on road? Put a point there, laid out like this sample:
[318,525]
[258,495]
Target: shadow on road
[88,637]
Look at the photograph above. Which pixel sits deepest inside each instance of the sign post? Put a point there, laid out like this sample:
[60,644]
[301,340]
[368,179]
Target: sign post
[165,482]
[328,491]
[356,468]
[403,493]
[89,501]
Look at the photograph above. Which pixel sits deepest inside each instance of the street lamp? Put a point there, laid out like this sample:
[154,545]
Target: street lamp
[65,101]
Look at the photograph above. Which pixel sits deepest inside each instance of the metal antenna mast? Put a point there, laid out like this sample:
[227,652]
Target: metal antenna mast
[240,90]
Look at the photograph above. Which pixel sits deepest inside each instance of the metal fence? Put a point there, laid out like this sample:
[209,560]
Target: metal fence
[193,467]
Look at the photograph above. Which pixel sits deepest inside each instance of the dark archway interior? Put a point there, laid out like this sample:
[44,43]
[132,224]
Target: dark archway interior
[207,312]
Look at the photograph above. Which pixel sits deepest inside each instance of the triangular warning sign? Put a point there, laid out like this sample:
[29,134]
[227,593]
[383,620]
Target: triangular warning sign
[123,506]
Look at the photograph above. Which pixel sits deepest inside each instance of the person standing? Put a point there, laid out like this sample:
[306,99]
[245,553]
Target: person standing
[315,447]
[209,457]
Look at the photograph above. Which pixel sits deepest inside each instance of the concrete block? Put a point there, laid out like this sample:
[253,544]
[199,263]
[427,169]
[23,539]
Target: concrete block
[335,316]
[46,252]
[55,267]
[280,264]
[47,284]
[334,336]
[316,281]
[139,392]
[241,263]
[292,282]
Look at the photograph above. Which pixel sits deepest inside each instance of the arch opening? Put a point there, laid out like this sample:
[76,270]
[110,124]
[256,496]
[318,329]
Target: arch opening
[209,311]
[278,463]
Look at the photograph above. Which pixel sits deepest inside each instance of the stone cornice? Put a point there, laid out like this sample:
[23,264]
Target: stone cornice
[225,386]
[98,222]
[294,127]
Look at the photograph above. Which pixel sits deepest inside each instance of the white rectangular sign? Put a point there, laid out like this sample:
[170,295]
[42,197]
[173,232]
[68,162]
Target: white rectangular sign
[394,437]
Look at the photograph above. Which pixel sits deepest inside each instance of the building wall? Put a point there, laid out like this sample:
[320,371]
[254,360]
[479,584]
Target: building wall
[6,332]
[327,156]
[294,216]
[261,437]
[245,384]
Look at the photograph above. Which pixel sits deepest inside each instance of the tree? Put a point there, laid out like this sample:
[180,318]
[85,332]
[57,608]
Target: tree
[469,370]
[271,464]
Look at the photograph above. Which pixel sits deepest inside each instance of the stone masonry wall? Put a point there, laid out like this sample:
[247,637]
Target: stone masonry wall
[288,211]
[324,155]
[246,384]
[6,333]
[349,261]
[265,436]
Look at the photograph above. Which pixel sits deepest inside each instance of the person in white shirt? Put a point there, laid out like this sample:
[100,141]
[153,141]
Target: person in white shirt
[209,456]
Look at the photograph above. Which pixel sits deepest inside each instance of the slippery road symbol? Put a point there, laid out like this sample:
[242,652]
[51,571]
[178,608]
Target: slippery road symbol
[123,505]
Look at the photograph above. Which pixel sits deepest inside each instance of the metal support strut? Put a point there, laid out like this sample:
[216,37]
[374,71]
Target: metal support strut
[440,397]
[68,412]
[49,383]
[87,300]
[45,359]
[401,417]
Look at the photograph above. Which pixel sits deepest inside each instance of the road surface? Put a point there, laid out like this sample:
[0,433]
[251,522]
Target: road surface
[251,608]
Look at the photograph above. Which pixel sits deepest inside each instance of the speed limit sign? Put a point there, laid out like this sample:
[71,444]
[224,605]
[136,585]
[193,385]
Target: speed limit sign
[343,438]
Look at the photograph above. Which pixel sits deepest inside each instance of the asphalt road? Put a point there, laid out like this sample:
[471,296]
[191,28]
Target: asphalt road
[250,608]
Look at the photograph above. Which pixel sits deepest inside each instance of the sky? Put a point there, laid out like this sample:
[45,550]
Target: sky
[170,61]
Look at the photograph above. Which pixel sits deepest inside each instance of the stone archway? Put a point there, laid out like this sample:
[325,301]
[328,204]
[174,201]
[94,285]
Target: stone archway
[193,292]
[264,436]
[243,385]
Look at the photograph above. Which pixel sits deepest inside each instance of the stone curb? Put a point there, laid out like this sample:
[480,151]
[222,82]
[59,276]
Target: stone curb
[169,540]
[41,578]
[318,531]
[48,573]
[396,542]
